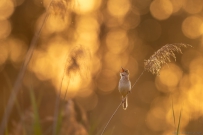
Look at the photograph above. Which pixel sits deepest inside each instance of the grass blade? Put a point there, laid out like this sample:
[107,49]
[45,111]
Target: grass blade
[21,74]
[178,128]
[36,124]
[174,119]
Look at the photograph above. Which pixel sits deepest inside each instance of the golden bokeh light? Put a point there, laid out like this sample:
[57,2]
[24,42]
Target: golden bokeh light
[6,9]
[141,7]
[57,23]
[89,102]
[147,92]
[44,64]
[196,64]
[104,86]
[188,57]
[193,102]
[75,81]
[3,54]
[117,41]
[156,117]
[185,114]
[191,92]
[127,119]
[5,28]
[74,84]
[113,61]
[191,27]
[79,50]
[87,32]
[113,22]
[86,91]
[86,6]
[87,22]
[151,30]
[201,45]
[131,21]
[161,9]
[177,5]
[17,50]
[132,65]
[49,64]
[193,6]
[44,68]
[169,77]
[118,8]
[18,2]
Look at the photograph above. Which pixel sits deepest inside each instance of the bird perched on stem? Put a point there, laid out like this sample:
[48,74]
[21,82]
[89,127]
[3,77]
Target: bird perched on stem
[124,86]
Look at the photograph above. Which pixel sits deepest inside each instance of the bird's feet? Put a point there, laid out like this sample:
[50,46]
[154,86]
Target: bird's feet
[123,100]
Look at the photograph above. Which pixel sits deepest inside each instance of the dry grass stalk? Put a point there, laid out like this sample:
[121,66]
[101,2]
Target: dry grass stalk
[60,7]
[21,74]
[162,56]
[71,113]
[76,59]
[75,63]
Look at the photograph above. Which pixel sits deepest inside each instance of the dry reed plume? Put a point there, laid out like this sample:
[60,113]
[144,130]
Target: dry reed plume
[77,58]
[74,63]
[162,56]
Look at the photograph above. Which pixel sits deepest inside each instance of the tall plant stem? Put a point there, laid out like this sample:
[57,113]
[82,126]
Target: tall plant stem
[21,74]
[121,104]
[58,99]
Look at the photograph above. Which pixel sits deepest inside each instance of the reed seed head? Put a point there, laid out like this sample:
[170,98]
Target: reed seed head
[163,56]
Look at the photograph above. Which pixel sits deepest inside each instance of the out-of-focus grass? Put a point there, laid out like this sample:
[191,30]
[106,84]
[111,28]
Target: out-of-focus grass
[178,128]
[174,119]
[58,122]
[17,104]
[36,125]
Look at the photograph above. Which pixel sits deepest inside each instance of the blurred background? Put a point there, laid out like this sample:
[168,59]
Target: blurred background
[85,42]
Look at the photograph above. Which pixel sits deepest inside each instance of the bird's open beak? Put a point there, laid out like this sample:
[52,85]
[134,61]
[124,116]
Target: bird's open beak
[122,70]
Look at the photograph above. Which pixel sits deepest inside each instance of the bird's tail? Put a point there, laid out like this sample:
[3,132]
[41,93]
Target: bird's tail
[125,102]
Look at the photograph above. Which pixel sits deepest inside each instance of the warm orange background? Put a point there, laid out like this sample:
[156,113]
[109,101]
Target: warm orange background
[113,33]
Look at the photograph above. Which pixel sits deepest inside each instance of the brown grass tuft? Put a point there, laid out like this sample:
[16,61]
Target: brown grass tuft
[162,56]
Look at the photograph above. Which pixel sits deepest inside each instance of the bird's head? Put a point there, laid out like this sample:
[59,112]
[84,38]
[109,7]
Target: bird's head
[124,72]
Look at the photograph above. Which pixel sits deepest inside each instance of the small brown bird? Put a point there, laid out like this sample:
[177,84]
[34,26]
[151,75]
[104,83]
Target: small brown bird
[124,86]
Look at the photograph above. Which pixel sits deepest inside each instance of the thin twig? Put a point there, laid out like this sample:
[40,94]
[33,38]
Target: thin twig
[138,79]
[111,118]
[19,79]
[121,103]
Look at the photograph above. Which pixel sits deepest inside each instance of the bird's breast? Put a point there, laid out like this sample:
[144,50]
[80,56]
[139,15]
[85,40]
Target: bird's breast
[124,87]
